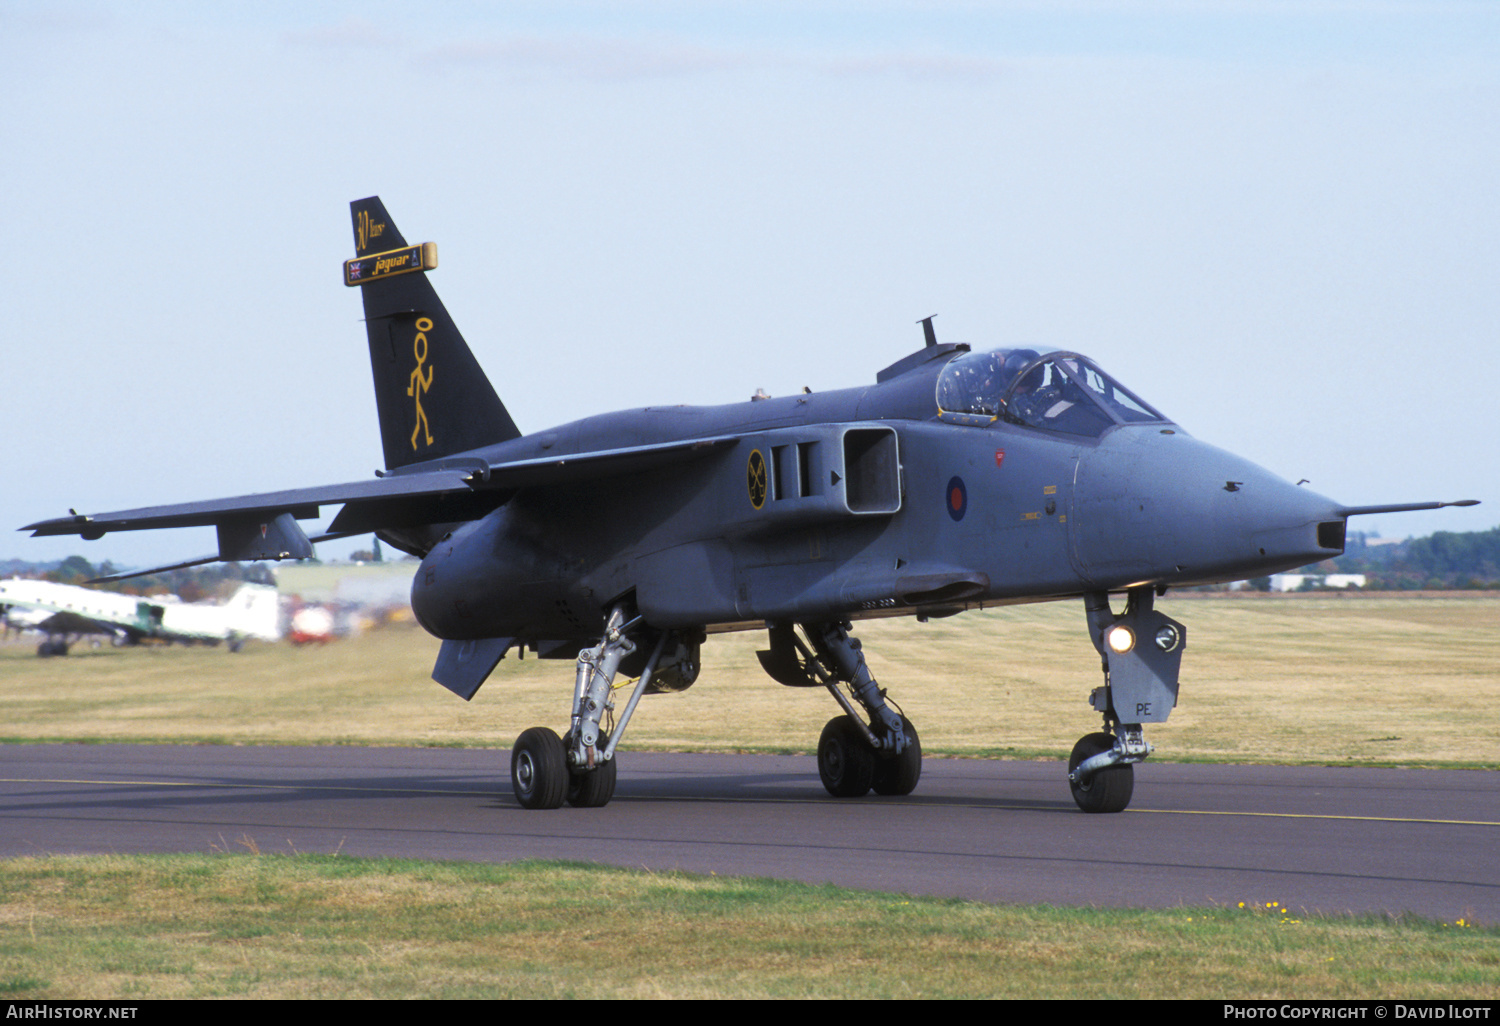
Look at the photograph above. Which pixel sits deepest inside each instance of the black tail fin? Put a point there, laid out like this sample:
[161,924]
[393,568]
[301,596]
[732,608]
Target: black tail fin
[432,398]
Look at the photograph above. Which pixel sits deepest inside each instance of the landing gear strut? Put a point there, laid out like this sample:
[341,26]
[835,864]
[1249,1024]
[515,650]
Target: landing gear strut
[1142,654]
[853,757]
[580,767]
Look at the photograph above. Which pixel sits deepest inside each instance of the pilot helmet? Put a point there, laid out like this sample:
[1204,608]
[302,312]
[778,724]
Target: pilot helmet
[1017,359]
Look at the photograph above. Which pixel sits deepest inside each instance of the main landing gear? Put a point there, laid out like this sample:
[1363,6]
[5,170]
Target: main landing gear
[854,757]
[580,767]
[1142,654]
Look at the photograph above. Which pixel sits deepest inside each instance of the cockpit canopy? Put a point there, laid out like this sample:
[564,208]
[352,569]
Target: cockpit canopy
[1058,392]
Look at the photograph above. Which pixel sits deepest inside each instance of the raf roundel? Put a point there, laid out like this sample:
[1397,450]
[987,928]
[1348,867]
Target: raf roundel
[958,498]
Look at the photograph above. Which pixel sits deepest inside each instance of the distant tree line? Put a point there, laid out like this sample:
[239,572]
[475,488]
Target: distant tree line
[192,584]
[1445,560]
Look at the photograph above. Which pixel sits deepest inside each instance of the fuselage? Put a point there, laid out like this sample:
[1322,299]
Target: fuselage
[852,503]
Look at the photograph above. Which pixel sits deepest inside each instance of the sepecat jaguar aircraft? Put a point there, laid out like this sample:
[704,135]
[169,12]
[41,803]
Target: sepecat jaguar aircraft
[958,480]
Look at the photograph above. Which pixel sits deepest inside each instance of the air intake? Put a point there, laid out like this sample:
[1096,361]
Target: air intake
[1331,534]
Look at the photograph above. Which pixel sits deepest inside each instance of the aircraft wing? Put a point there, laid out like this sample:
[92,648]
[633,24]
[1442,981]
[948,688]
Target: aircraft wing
[73,623]
[460,488]
[301,503]
[491,484]
[586,466]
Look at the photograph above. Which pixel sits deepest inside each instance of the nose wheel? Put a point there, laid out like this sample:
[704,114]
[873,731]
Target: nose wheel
[1105,790]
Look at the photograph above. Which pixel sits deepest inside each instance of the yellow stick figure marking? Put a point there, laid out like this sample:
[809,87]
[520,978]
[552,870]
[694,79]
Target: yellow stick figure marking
[420,384]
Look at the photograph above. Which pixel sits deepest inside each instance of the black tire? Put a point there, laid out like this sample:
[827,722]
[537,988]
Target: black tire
[846,762]
[1106,791]
[899,774]
[592,789]
[539,769]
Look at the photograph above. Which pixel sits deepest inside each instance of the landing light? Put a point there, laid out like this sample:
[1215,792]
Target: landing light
[1121,639]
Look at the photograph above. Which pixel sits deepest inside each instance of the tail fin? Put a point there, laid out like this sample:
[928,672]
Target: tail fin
[432,398]
[253,611]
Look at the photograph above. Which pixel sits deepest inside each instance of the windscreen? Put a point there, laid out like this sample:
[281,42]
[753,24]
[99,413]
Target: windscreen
[1060,392]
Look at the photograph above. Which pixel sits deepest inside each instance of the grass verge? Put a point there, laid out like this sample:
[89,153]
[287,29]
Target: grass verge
[1357,680]
[278,926]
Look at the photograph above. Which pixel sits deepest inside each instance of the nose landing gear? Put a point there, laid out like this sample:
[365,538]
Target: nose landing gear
[1142,654]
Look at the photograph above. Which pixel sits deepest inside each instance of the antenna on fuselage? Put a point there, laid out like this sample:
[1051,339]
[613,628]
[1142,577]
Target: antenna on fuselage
[927,332]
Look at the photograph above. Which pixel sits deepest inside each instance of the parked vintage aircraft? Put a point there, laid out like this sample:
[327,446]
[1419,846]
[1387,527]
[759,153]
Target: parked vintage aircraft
[960,479]
[63,610]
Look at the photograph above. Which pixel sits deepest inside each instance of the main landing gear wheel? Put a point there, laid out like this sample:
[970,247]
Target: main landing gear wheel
[592,789]
[846,762]
[539,769]
[1107,790]
[899,774]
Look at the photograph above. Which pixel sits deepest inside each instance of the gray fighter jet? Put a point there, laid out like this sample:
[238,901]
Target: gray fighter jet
[957,480]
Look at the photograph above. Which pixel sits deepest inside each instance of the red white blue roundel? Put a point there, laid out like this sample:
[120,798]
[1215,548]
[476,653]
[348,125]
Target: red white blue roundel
[958,498]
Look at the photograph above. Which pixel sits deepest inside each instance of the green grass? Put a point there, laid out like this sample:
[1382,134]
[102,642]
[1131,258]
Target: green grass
[250,925]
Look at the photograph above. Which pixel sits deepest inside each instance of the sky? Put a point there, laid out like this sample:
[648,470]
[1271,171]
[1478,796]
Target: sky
[1277,222]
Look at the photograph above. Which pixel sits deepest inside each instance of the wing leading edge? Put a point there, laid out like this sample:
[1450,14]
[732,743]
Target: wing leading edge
[262,526]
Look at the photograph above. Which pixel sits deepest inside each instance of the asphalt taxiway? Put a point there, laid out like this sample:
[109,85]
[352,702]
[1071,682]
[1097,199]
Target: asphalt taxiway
[1315,839]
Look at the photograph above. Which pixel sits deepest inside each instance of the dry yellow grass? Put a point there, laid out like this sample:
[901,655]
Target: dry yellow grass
[1356,679]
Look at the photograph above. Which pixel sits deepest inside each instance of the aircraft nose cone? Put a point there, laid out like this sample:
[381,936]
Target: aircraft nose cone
[1152,506]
